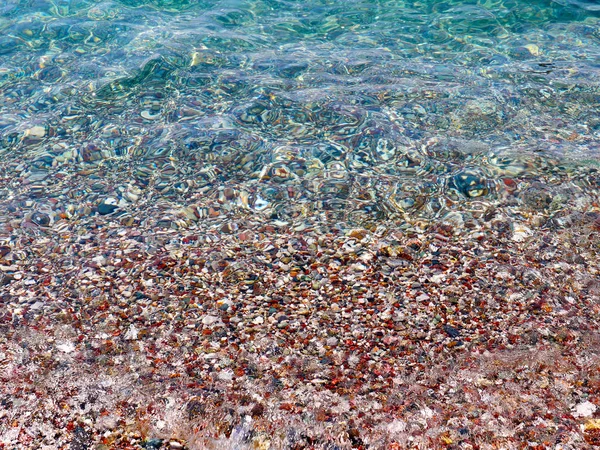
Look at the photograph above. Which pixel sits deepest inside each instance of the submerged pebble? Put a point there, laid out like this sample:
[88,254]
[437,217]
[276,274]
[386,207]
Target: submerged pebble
[108,206]
[255,225]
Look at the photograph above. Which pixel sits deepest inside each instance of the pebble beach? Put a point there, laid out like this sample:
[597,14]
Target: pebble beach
[245,335]
[233,226]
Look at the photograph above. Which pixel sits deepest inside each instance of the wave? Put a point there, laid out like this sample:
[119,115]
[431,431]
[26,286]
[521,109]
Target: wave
[589,5]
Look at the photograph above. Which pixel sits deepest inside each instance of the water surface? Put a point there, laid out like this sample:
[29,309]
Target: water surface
[358,111]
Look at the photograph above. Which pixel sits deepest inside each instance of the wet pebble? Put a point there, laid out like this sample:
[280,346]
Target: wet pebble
[451,331]
[150,115]
[36,131]
[108,206]
[41,219]
[469,184]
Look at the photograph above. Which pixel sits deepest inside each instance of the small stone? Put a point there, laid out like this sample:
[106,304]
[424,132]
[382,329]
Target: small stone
[358,233]
[132,196]
[446,440]
[36,131]
[189,213]
[226,375]
[99,260]
[261,442]
[229,227]
[521,232]
[209,320]
[132,333]
[107,206]
[332,341]
[258,320]
[469,184]
[41,219]
[533,49]
[148,115]
[525,51]
[591,432]
[300,227]
[153,444]
[67,347]
[585,409]
[451,331]
[37,176]
[197,58]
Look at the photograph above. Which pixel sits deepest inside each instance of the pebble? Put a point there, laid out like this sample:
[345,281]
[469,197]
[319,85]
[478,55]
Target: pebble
[132,333]
[521,232]
[585,409]
[67,347]
[189,213]
[41,219]
[591,432]
[258,320]
[209,320]
[37,176]
[36,131]
[533,49]
[108,206]
[146,114]
[133,193]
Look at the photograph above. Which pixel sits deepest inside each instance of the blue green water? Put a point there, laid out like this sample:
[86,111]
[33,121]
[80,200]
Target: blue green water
[364,110]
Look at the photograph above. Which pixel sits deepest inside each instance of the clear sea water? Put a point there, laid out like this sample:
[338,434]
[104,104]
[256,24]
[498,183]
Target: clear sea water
[363,109]
[307,115]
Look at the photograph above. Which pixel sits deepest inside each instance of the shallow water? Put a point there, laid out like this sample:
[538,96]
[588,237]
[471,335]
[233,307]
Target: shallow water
[360,111]
[277,217]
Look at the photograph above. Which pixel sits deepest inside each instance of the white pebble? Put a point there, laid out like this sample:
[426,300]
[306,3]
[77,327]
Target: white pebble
[585,409]
[37,131]
[209,320]
[258,320]
[67,347]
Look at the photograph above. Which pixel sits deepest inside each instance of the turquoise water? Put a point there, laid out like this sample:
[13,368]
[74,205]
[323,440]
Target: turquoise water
[357,111]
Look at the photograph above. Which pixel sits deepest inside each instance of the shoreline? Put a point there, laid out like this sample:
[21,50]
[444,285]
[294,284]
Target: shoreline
[267,337]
